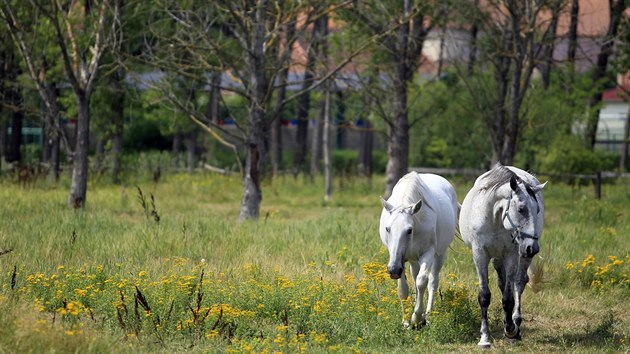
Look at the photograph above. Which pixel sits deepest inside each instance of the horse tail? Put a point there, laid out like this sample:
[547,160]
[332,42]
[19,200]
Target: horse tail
[458,232]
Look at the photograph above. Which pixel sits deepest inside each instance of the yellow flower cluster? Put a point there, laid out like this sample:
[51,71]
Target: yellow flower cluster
[187,298]
[376,271]
[613,272]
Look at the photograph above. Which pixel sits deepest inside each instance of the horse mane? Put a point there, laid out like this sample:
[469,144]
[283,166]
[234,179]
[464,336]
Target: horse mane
[412,189]
[496,177]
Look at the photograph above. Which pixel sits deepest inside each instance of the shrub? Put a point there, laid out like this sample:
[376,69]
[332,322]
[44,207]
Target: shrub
[568,155]
[344,161]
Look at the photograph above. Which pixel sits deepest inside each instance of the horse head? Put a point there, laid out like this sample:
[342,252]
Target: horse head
[522,216]
[396,233]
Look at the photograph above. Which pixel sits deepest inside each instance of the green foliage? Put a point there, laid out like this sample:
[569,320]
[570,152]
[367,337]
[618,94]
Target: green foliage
[344,161]
[379,161]
[143,134]
[436,107]
[566,154]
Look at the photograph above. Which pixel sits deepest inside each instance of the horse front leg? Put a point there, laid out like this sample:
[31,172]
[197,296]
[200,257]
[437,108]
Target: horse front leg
[511,329]
[481,260]
[519,286]
[421,271]
[403,294]
[434,281]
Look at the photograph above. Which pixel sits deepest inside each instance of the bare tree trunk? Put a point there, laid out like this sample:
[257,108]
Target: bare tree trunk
[191,148]
[55,156]
[13,153]
[623,161]
[407,48]
[573,41]
[252,193]
[547,52]
[497,125]
[398,132]
[316,141]
[3,141]
[472,55]
[54,124]
[46,134]
[99,158]
[214,97]
[177,147]
[398,138]
[616,12]
[326,146]
[276,135]
[118,110]
[276,120]
[78,188]
[365,150]
[304,105]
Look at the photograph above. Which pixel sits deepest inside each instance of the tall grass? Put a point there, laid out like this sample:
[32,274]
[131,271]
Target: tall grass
[308,276]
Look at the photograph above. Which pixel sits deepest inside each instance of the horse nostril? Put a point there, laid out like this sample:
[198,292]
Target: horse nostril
[394,272]
[529,252]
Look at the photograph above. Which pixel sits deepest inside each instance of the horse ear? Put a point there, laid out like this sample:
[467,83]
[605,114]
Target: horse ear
[513,183]
[416,207]
[539,187]
[386,205]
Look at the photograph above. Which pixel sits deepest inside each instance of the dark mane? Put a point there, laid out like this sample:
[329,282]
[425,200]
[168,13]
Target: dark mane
[496,177]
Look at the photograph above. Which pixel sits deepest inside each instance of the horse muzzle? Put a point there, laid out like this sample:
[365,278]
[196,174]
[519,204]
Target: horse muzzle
[528,248]
[395,272]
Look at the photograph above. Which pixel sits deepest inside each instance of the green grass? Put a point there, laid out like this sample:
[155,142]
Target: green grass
[308,276]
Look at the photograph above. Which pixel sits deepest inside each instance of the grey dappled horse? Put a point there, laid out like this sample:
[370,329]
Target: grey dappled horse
[501,219]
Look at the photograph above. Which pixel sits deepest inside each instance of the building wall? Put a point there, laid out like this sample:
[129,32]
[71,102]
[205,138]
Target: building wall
[612,118]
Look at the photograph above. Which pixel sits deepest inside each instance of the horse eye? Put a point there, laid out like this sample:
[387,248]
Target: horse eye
[409,231]
[387,229]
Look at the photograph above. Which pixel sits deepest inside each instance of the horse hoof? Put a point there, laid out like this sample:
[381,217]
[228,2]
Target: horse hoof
[484,345]
[406,325]
[514,335]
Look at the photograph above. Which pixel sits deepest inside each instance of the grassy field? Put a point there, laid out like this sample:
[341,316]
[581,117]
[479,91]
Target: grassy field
[178,273]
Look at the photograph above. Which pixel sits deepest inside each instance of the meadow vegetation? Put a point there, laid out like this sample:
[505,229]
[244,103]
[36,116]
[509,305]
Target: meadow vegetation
[167,268]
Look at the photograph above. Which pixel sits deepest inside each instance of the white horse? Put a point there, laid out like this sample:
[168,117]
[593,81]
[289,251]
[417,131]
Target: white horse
[418,223]
[501,219]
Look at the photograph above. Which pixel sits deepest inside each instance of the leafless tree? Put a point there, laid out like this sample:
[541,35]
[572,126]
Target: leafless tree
[515,32]
[81,33]
[404,28]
